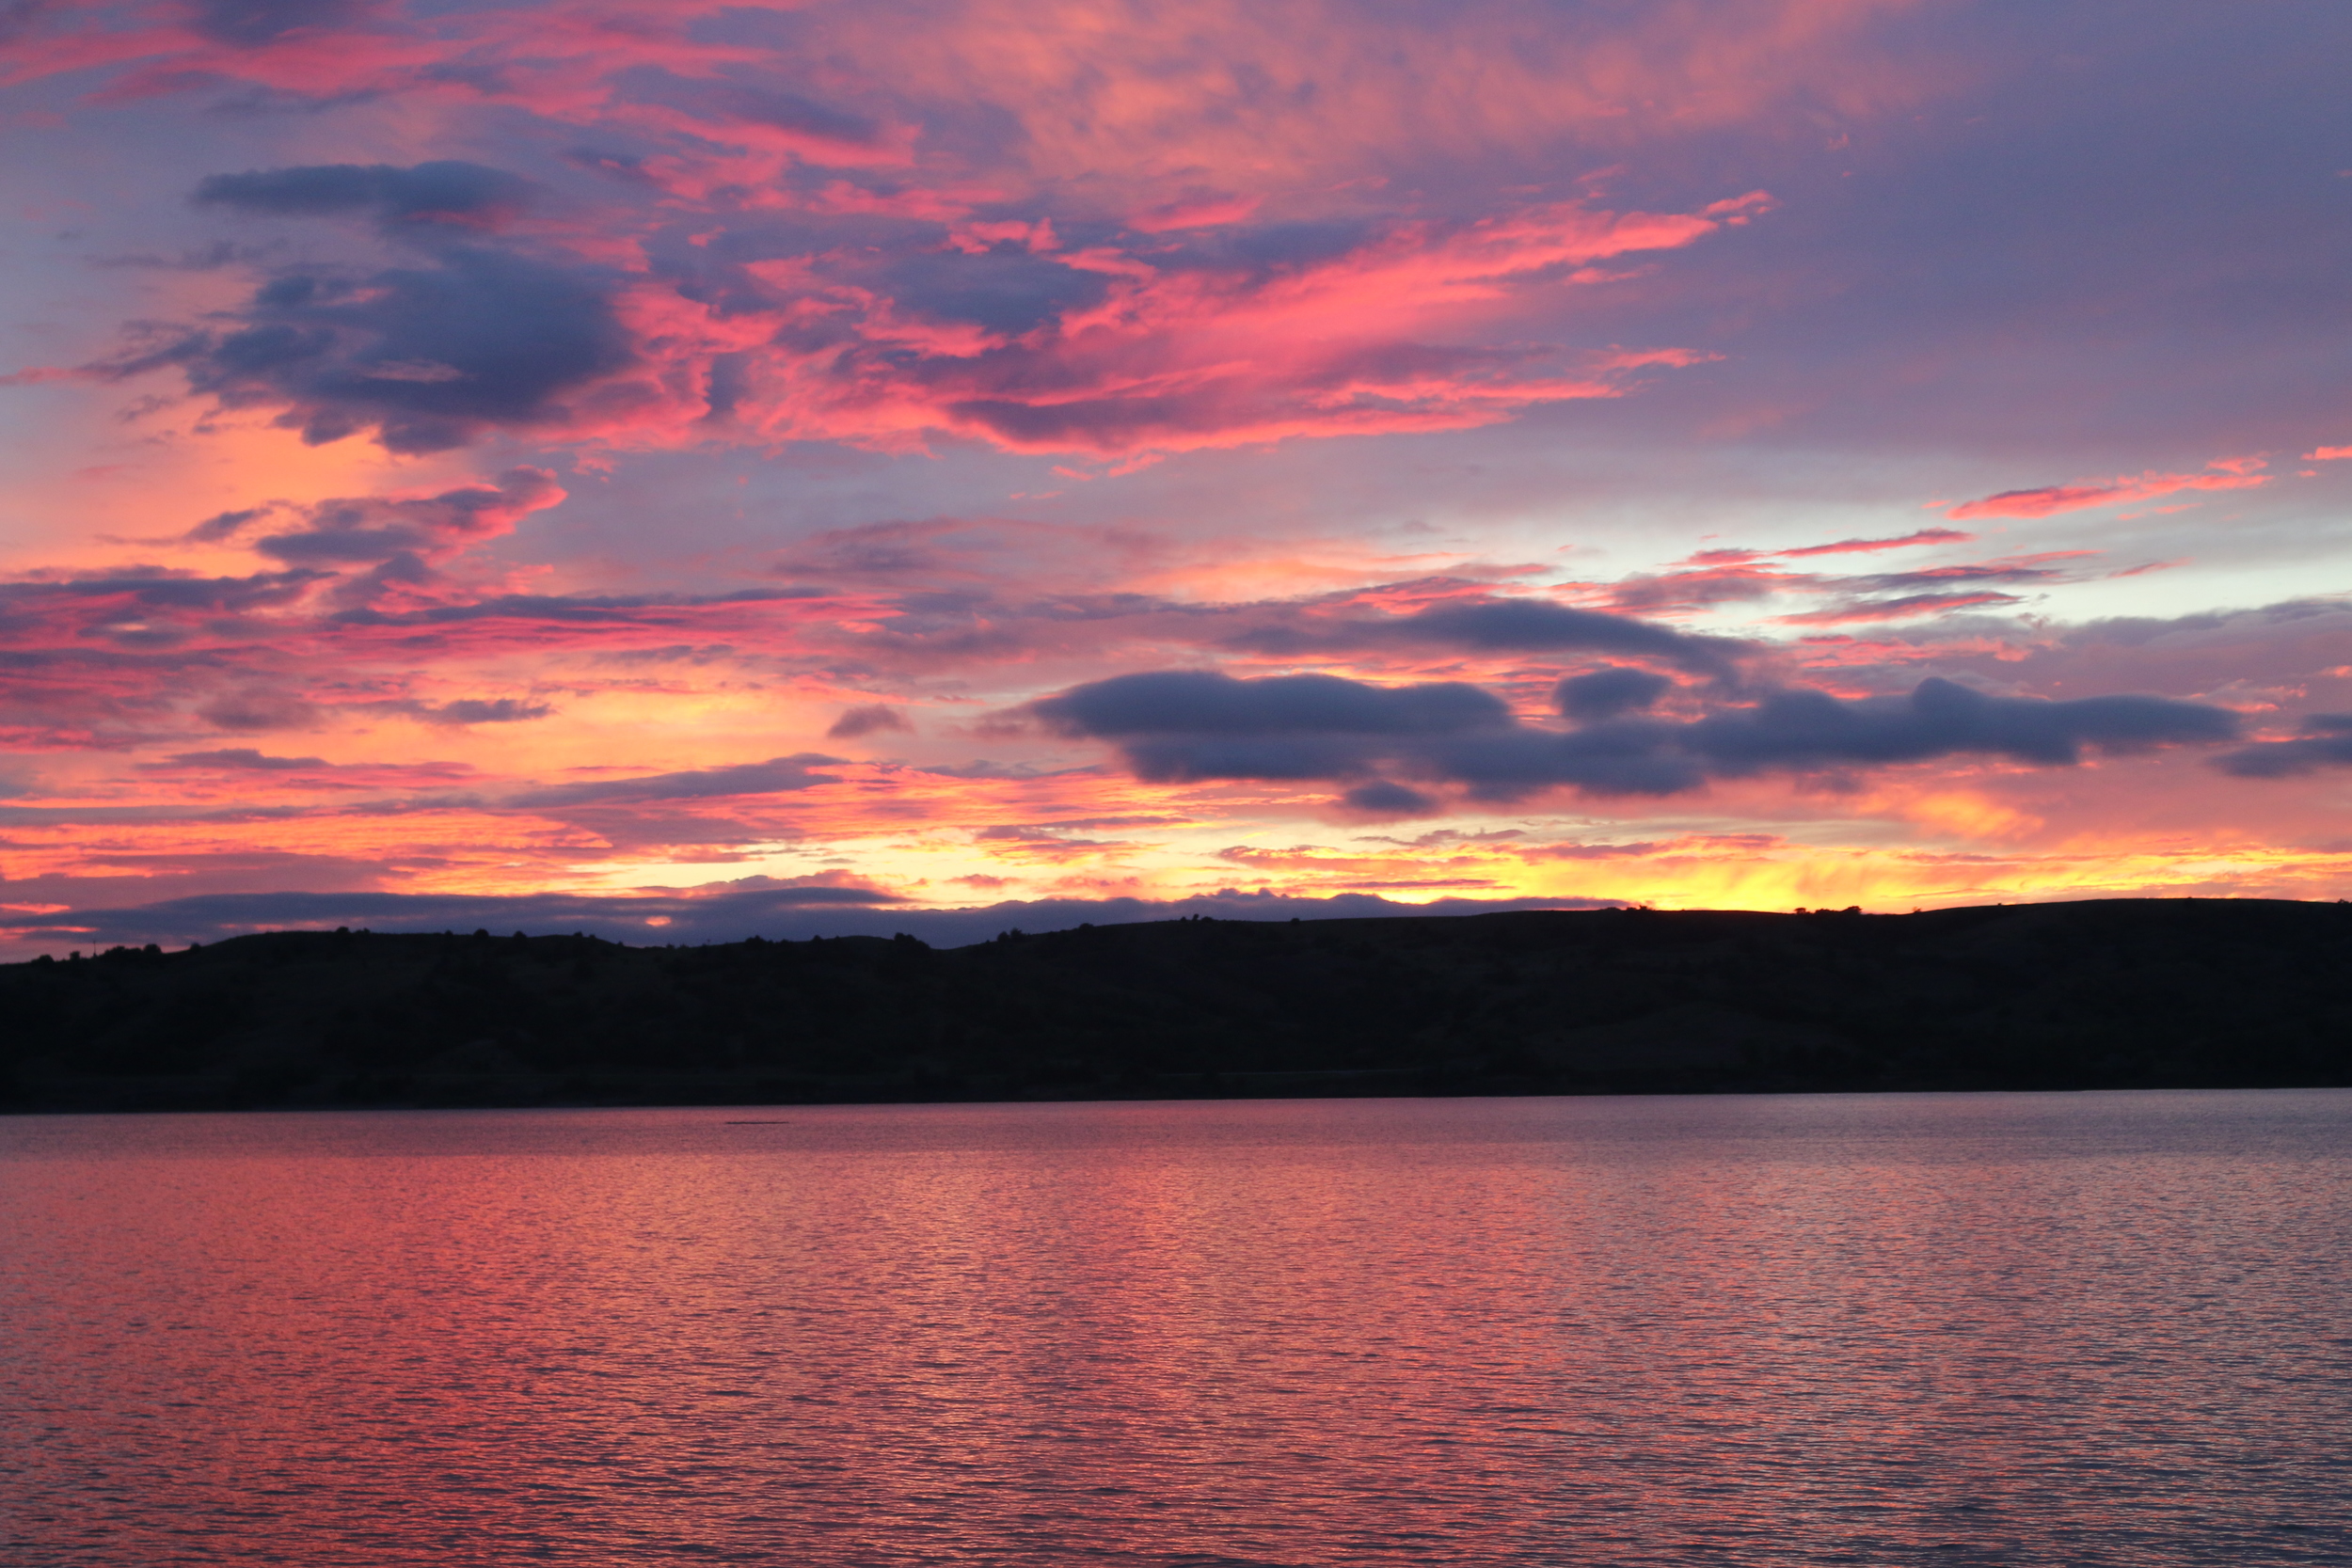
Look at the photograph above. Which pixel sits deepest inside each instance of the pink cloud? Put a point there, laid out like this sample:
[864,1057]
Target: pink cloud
[1155,341]
[1410,325]
[1843,547]
[2231,473]
[2327,454]
[1169,360]
[1858,546]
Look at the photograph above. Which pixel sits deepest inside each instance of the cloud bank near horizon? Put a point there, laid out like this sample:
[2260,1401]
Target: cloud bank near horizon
[776,914]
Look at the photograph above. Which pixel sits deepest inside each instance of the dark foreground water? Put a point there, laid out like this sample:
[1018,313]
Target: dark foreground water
[2062,1329]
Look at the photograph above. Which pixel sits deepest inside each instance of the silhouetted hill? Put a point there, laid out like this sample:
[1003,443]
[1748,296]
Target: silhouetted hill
[2117,993]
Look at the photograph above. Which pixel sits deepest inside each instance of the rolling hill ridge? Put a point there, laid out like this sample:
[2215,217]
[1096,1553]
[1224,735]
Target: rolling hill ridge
[2112,993]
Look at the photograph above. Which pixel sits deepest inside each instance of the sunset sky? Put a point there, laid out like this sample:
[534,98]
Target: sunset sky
[683,471]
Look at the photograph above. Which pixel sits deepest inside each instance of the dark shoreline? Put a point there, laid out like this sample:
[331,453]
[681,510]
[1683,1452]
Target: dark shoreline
[2122,993]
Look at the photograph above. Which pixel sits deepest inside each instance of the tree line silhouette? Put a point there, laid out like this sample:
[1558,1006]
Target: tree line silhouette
[2110,993]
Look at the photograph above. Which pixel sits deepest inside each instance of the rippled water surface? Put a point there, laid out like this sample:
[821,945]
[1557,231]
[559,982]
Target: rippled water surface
[1875,1329]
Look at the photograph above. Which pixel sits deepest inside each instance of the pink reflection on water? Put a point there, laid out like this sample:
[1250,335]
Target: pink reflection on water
[1999,1328]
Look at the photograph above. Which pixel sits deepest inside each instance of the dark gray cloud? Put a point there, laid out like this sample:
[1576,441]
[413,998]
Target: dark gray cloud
[1188,726]
[476,337]
[1386,798]
[226,524]
[246,759]
[750,777]
[784,111]
[1181,725]
[369,530]
[259,708]
[1606,693]
[427,356]
[1614,757]
[2328,743]
[1809,729]
[1947,577]
[1202,702]
[91,605]
[1006,288]
[870,718]
[480,710]
[427,199]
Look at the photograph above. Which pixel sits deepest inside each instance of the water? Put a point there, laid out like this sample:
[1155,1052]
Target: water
[1874,1330]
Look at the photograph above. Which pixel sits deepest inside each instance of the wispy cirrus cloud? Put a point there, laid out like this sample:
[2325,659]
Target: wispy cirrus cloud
[2227,474]
[1737,557]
